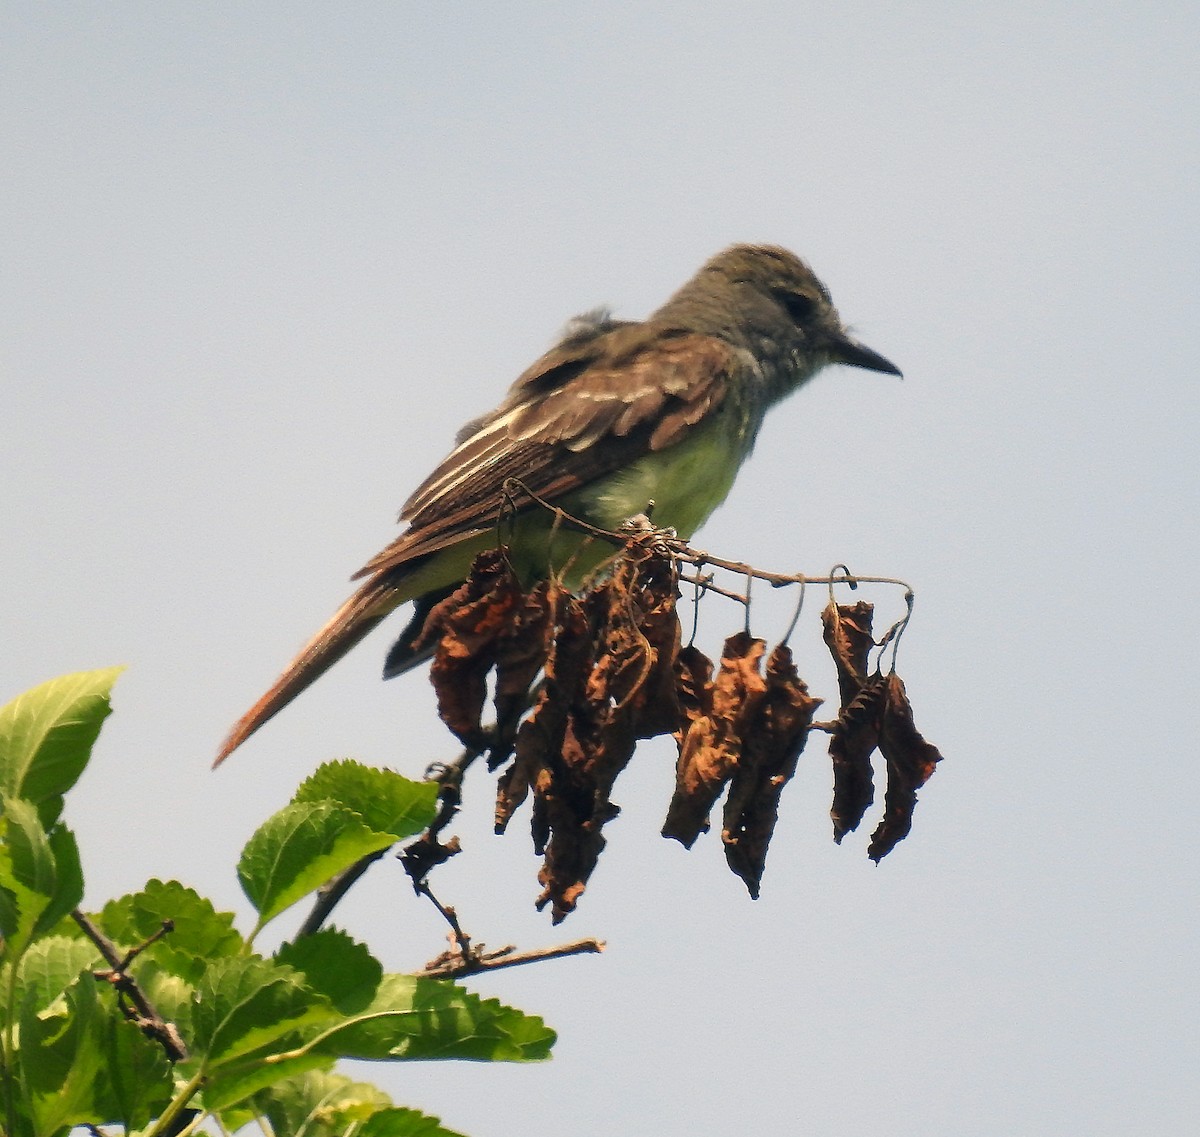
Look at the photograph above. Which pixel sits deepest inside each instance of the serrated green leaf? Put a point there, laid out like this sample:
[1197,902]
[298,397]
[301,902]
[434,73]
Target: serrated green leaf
[200,934]
[409,1018]
[416,1018]
[81,1061]
[47,734]
[139,1081]
[235,1085]
[399,1122]
[61,1060]
[49,967]
[170,993]
[299,849]
[246,1003]
[386,801]
[333,964]
[319,1104]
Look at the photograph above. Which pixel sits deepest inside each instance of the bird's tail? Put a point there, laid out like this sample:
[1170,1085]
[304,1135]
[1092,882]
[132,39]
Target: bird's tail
[349,624]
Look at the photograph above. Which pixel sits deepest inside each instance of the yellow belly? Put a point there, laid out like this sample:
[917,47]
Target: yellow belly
[685,482]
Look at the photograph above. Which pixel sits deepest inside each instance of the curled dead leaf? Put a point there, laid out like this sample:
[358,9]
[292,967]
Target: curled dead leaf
[770,752]
[847,632]
[910,762]
[854,739]
[468,626]
[608,681]
[712,744]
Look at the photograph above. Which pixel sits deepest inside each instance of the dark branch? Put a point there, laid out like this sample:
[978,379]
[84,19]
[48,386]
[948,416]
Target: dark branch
[143,1014]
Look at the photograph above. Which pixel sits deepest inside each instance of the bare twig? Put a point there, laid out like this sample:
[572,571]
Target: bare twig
[896,631]
[142,1013]
[448,914]
[705,584]
[451,964]
[564,518]
[699,558]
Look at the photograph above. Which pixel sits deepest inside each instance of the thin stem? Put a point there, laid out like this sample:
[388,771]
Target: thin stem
[329,895]
[165,1121]
[147,1017]
[682,551]
[451,968]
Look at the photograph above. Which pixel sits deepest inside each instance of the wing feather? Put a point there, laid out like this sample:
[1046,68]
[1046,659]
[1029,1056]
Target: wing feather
[583,410]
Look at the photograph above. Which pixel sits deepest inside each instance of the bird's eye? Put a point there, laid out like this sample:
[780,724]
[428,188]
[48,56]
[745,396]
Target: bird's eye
[799,306]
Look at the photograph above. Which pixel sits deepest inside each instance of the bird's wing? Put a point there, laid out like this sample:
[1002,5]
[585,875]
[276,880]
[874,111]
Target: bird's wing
[601,399]
[588,407]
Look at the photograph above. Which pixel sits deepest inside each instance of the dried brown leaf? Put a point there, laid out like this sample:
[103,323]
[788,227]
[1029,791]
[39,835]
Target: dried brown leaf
[853,741]
[634,636]
[910,762]
[468,625]
[693,687]
[771,749]
[608,680]
[653,705]
[540,737]
[575,812]
[849,639]
[711,747]
[520,656]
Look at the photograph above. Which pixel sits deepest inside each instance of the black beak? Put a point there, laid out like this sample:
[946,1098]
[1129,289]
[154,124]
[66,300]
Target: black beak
[851,352]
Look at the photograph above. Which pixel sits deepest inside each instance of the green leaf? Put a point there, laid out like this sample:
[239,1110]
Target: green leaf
[398,1122]
[334,965]
[336,968]
[200,933]
[81,1061]
[416,1018]
[409,1018]
[49,967]
[46,736]
[171,994]
[246,1003]
[61,1059]
[40,877]
[232,1087]
[386,801]
[302,847]
[27,877]
[323,1104]
[319,1104]
[139,1080]
[68,886]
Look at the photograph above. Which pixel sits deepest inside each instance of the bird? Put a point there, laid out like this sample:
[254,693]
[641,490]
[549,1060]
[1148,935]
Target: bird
[618,417]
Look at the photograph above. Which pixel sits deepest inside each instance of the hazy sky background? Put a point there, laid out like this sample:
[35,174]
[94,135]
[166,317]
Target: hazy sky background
[259,263]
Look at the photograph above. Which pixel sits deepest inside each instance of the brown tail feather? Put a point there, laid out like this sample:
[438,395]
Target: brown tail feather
[349,624]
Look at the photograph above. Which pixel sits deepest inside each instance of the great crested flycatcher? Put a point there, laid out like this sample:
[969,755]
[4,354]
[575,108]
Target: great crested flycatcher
[616,416]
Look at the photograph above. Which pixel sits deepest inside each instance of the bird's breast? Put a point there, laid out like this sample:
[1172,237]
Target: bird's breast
[686,482]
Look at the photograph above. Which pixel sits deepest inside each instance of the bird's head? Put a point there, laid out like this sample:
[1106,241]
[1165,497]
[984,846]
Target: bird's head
[751,294]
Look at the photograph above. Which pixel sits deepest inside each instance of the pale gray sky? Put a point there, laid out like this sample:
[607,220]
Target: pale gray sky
[259,262]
